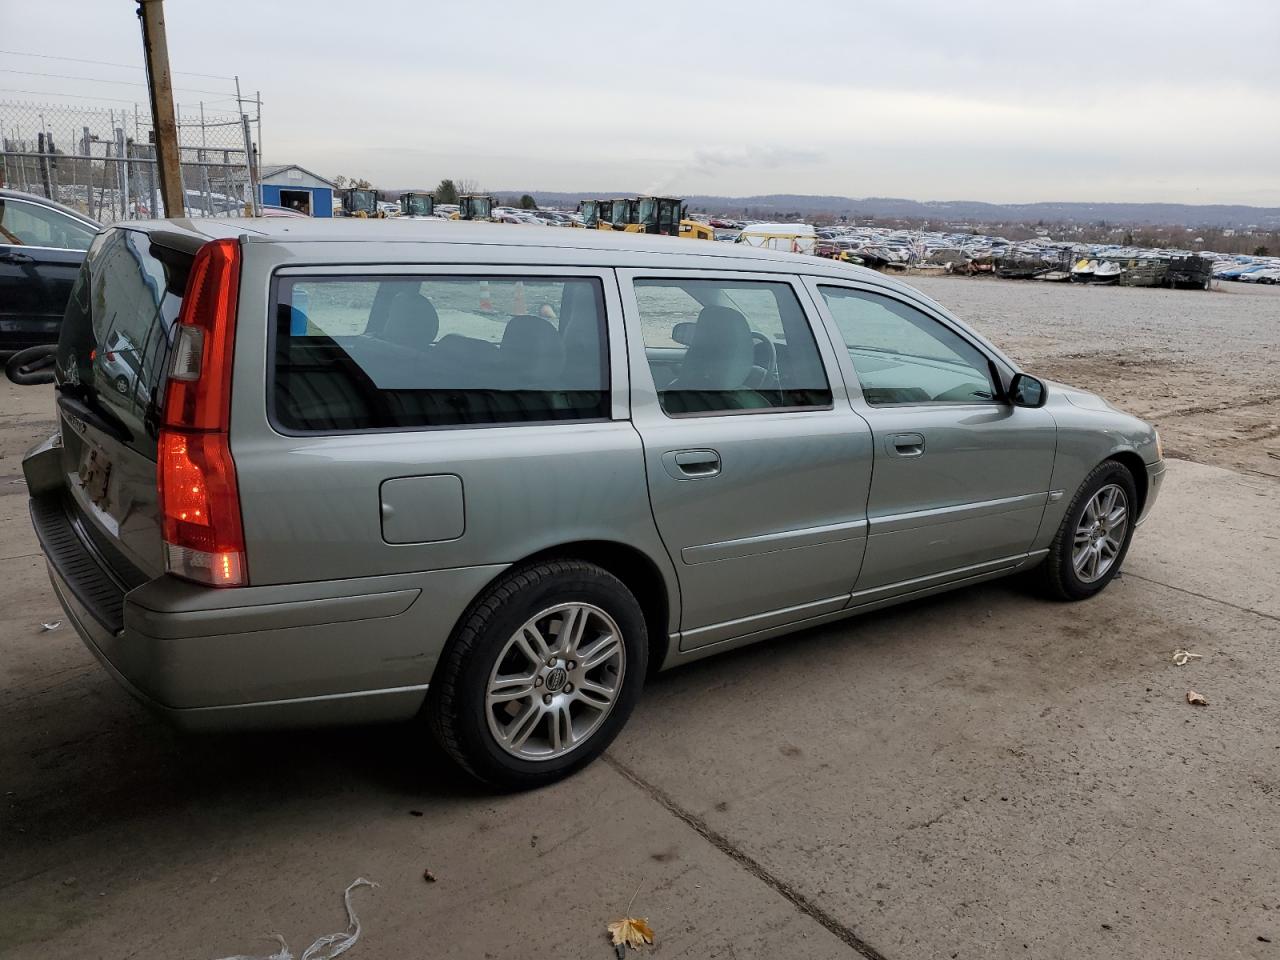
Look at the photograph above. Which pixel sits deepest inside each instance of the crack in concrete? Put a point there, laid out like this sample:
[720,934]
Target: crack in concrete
[806,906]
[1203,596]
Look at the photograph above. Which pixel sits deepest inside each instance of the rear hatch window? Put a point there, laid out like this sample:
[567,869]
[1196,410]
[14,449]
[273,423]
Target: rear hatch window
[111,370]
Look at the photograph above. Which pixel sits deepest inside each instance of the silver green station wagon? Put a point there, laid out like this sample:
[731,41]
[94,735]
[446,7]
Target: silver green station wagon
[332,472]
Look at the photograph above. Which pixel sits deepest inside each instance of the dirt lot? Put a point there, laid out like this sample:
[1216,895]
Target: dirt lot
[1204,367]
[982,775]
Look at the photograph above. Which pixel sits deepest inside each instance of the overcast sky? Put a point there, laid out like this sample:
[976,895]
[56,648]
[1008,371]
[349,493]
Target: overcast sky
[1009,101]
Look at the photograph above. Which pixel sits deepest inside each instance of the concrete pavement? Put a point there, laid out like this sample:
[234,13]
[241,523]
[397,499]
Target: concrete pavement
[982,774]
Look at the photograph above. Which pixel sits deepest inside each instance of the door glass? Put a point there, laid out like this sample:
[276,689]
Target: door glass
[902,355]
[361,353]
[717,346]
[32,225]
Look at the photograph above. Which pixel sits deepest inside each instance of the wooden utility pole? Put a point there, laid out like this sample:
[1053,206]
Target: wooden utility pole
[160,86]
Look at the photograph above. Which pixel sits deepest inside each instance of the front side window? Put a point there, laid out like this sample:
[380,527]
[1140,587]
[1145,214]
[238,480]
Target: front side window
[716,346]
[902,355]
[32,225]
[360,353]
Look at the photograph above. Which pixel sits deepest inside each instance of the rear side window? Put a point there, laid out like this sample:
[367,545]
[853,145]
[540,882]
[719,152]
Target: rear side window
[401,352]
[720,346]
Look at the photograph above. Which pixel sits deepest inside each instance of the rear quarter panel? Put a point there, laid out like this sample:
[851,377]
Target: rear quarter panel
[311,504]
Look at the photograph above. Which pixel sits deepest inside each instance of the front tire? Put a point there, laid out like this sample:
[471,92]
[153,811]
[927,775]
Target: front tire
[540,675]
[1094,536]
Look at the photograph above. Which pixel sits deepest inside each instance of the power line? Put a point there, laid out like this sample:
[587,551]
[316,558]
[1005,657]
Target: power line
[106,63]
[127,83]
[135,101]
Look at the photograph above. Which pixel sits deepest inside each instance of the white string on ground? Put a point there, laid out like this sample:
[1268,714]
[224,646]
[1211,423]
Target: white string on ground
[329,946]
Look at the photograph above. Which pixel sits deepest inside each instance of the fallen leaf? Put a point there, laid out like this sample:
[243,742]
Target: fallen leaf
[51,626]
[1180,657]
[632,932]
[428,876]
[1195,699]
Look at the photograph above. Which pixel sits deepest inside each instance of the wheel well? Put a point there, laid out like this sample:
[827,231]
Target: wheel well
[640,574]
[1134,464]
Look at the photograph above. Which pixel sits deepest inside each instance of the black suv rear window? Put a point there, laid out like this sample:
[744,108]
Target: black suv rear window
[398,352]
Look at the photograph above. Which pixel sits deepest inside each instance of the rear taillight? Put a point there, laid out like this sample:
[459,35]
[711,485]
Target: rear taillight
[199,500]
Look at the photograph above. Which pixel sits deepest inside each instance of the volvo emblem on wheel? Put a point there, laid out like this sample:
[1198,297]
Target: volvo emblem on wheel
[556,679]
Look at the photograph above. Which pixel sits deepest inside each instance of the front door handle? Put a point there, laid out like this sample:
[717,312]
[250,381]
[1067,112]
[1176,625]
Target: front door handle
[16,258]
[906,445]
[691,464]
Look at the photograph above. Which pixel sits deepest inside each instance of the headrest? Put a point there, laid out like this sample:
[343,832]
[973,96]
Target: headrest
[721,354]
[411,321]
[532,349]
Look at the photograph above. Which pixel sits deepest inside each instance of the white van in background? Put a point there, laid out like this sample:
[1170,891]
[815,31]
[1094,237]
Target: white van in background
[788,237]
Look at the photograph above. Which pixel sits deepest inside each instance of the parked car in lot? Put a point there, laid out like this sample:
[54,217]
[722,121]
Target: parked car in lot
[42,244]
[495,478]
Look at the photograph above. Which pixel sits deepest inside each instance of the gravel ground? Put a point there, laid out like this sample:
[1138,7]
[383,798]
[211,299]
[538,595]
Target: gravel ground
[1203,367]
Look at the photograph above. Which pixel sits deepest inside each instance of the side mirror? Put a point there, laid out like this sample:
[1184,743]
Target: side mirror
[1027,391]
[683,332]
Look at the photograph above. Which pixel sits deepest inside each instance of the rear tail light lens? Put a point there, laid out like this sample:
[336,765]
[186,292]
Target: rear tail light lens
[203,537]
[196,475]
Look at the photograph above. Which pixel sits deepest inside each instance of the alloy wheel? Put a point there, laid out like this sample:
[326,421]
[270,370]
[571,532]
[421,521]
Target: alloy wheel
[555,681]
[1100,533]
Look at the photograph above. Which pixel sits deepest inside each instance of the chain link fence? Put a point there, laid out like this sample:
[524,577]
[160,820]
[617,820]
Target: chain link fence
[103,162]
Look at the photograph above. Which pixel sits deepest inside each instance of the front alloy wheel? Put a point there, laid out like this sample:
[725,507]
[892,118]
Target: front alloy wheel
[1094,534]
[1100,534]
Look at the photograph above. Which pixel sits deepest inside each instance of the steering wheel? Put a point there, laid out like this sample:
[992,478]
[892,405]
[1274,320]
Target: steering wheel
[771,366]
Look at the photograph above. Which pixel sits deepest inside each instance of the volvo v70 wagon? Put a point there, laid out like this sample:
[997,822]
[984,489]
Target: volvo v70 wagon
[367,471]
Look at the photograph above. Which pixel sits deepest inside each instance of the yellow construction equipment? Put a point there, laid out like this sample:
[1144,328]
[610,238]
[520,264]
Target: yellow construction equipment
[660,215]
[417,204]
[474,207]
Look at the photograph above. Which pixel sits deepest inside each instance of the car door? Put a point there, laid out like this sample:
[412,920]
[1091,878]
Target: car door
[961,476]
[41,250]
[757,467]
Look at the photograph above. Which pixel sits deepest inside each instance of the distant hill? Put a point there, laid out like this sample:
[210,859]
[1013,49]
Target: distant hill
[975,211]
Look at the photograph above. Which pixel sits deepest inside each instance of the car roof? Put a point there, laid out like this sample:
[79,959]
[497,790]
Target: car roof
[7,194]
[405,230]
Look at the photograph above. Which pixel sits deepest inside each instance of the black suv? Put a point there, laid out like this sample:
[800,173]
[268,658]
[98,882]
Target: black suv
[42,244]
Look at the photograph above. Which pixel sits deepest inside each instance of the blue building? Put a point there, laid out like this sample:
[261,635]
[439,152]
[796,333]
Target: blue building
[299,189]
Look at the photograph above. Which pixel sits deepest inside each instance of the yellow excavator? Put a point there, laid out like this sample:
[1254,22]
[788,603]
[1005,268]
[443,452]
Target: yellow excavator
[660,215]
[417,204]
[473,207]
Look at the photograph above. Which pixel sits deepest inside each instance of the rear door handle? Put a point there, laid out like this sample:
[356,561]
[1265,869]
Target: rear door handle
[8,257]
[906,445]
[691,464]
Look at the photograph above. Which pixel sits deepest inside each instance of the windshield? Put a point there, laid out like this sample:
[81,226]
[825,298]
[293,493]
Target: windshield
[648,212]
[621,212]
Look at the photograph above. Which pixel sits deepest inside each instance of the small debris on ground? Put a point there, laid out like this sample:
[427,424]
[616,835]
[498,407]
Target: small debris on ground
[329,946]
[415,813]
[54,625]
[1181,657]
[633,932]
[428,876]
[1196,700]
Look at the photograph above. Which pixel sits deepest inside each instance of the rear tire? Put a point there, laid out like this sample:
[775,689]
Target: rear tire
[1094,536]
[531,687]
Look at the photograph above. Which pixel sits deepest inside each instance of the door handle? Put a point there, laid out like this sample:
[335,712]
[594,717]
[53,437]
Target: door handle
[906,445]
[16,258]
[691,464]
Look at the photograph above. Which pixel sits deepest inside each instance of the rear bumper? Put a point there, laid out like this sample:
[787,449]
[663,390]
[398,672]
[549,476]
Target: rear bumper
[334,652]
